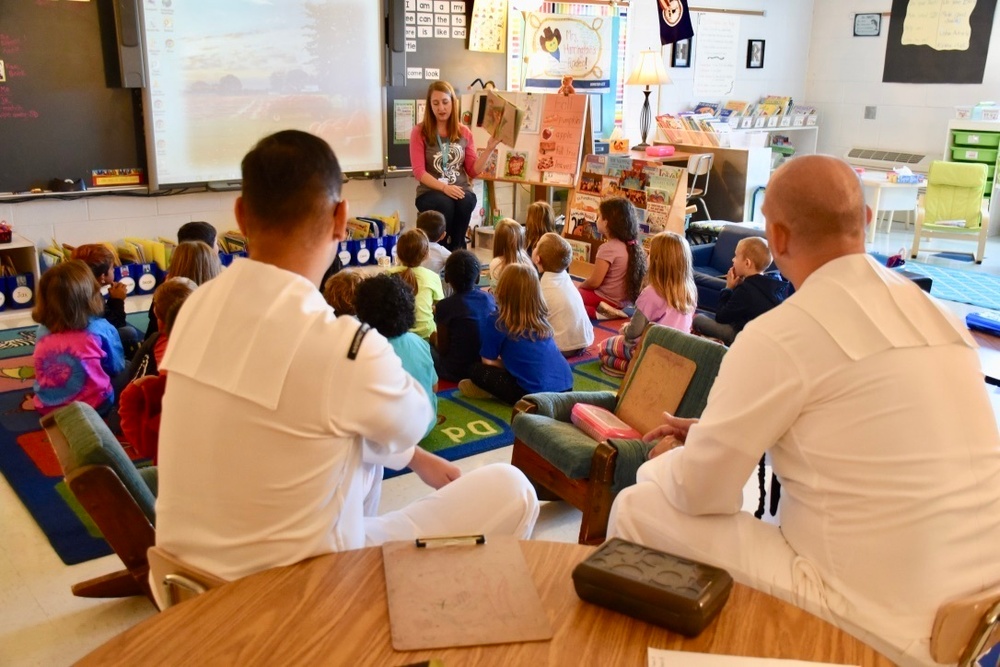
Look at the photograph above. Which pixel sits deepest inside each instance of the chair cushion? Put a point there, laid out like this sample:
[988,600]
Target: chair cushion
[559,405]
[92,443]
[560,443]
[955,192]
[631,455]
[151,477]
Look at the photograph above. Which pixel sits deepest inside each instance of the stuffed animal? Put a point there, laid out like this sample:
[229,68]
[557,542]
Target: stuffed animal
[567,86]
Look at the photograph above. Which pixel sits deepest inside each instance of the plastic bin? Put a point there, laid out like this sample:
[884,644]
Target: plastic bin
[986,155]
[980,139]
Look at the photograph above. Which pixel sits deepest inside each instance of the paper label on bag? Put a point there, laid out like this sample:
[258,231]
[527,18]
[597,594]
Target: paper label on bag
[345,257]
[129,284]
[147,282]
[21,295]
[364,255]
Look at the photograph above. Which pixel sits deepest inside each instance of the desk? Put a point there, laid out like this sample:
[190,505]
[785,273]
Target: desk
[881,195]
[333,610]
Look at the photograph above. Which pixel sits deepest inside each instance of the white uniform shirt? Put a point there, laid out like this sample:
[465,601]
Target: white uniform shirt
[437,255]
[567,315]
[883,438]
[269,430]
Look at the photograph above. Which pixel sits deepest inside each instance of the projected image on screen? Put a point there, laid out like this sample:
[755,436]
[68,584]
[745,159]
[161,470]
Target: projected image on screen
[226,73]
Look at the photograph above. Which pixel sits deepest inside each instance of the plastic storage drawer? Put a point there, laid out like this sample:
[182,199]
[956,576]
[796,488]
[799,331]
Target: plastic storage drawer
[982,139]
[986,155]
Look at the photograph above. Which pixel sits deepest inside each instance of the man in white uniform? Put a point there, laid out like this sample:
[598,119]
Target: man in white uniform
[279,416]
[869,397]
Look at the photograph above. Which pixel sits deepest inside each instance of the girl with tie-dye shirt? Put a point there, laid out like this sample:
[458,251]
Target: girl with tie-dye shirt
[77,352]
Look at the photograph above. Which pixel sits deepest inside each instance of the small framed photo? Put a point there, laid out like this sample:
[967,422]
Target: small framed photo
[755,53]
[867,25]
[3,72]
[681,55]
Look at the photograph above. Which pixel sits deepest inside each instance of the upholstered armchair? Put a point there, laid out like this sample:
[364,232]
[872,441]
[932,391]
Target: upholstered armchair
[118,497]
[565,464]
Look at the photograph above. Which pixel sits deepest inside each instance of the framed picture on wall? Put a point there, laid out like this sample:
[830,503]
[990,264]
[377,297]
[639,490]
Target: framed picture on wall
[867,25]
[681,54]
[755,53]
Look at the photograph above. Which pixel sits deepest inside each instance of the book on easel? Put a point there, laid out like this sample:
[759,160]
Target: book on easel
[502,119]
[462,591]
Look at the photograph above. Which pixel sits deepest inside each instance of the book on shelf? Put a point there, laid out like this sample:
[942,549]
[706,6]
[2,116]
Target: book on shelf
[736,106]
[782,102]
[707,107]
[581,250]
[767,109]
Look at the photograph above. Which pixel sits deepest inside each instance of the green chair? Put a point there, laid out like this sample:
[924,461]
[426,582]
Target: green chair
[564,464]
[118,497]
[953,206]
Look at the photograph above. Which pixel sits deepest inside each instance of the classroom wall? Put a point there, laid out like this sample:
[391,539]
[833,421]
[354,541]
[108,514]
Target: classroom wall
[105,218]
[786,29]
[845,75]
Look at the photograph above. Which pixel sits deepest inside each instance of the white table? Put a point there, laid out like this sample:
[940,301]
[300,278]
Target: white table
[881,195]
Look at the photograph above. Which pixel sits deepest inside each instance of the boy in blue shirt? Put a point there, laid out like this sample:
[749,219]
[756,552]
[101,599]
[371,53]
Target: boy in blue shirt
[459,316]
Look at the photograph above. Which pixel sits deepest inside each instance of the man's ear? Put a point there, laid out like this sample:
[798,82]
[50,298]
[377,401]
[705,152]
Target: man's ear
[777,238]
[340,215]
[240,214]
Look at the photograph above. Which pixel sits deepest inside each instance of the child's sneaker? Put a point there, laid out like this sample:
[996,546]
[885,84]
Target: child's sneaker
[606,311]
[469,389]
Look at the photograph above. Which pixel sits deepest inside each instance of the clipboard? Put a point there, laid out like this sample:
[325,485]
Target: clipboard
[461,595]
[658,385]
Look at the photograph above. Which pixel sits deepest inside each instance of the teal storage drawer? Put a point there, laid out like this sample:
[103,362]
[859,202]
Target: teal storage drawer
[981,139]
[962,154]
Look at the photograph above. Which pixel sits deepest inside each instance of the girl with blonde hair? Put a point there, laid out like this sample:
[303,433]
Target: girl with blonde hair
[669,299]
[194,260]
[508,249]
[541,220]
[519,352]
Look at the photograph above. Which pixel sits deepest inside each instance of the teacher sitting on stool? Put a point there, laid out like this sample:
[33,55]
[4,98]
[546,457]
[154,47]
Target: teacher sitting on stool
[444,163]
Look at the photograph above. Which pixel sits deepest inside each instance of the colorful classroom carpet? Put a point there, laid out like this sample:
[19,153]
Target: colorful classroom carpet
[467,427]
[964,286]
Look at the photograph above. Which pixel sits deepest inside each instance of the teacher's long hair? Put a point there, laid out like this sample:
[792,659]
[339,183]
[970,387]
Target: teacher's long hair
[430,121]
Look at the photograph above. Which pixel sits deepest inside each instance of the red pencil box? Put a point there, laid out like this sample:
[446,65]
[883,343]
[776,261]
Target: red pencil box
[600,424]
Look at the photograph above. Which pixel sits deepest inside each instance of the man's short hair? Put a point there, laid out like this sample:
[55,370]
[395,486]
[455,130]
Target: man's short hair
[291,179]
[433,224]
[755,249]
[386,303]
[461,270]
[197,230]
[554,253]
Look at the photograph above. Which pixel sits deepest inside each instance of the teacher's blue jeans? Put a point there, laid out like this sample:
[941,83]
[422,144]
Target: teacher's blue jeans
[456,212]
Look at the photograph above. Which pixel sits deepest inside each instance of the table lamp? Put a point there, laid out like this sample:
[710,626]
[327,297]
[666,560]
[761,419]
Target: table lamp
[649,72]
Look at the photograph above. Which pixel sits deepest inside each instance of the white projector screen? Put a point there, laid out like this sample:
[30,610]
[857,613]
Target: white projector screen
[223,74]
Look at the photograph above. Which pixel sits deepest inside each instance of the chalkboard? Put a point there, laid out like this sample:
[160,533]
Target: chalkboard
[425,50]
[59,118]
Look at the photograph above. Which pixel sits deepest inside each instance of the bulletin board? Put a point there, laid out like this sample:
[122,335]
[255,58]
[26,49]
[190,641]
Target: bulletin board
[432,44]
[928,42]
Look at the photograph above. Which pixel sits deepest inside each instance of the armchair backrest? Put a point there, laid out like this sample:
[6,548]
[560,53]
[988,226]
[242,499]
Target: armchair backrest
[955,192]
[81,438]
[725,245]
[706,355]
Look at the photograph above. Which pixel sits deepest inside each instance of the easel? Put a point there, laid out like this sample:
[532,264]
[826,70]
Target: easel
[541,182]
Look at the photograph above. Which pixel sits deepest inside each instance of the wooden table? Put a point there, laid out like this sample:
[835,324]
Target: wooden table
[333,610]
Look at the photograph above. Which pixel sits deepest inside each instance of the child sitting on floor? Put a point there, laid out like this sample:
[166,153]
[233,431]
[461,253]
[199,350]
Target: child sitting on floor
[459,317]
[519,354]
[748,294]
[432,223]
[77,353]
[101,261]
[339,291]
[541,220]
[385,303]
[142,400]
[620,264]
[411,250]
[508,249]
[669,299]
[572,329]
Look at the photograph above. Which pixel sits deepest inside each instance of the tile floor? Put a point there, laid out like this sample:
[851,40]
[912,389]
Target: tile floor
[41,623]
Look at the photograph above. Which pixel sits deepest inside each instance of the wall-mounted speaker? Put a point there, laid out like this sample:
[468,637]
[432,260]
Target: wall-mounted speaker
[128,35]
